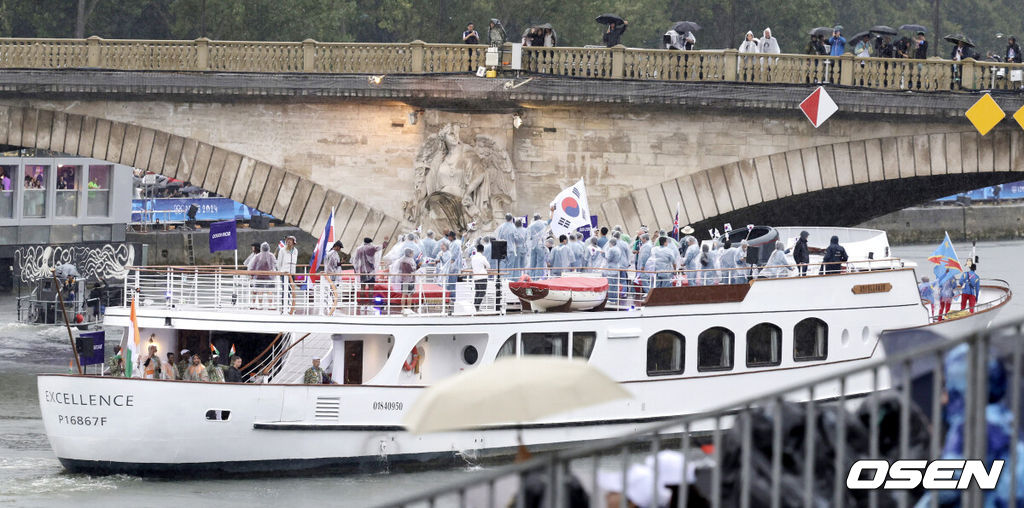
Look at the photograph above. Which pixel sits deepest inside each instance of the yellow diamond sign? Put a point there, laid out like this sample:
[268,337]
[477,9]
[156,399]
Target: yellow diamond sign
[1019,117]
[985,114]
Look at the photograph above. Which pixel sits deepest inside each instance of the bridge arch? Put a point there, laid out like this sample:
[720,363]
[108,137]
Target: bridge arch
[805,186]
[284,194]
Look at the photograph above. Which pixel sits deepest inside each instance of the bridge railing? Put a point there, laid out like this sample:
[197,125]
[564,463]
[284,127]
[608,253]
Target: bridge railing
[417,57]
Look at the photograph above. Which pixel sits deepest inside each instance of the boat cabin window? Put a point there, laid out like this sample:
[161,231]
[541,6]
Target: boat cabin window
[583,344]
[546,344]
[665,353]
[764,345]
[470,355]
[715,349]
[810,340]
[508,348]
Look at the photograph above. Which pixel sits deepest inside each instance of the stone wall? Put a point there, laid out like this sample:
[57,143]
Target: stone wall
[929,224]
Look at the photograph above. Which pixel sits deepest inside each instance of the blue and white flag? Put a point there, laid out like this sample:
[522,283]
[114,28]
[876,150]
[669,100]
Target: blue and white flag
[223,236]
[571,210]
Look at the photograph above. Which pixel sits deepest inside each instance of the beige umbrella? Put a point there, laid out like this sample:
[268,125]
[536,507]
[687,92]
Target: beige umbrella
[514,390]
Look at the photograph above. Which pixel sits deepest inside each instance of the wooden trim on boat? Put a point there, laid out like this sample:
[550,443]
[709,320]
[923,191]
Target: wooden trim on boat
[688,295]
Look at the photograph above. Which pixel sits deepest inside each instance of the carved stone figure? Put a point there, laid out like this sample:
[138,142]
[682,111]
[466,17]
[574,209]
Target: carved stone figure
[455,183]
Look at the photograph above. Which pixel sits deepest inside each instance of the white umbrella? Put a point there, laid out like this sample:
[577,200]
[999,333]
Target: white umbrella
[510,391]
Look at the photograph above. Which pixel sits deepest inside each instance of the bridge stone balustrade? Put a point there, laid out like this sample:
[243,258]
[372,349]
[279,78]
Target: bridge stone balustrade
[417,57]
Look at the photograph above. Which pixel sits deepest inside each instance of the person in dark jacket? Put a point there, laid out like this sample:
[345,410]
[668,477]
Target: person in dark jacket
[1012,51]
[234,373]
[801,254]
[614,33]
[835,256]
[921,51]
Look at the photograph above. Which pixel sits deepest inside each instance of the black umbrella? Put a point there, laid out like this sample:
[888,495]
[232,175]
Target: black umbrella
[608,19]
[955,38]
[914,28]
[883,30]
[860,35]
[822,31]
[685,26]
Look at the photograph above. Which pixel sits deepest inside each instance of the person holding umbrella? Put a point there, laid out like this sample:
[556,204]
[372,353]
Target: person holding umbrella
[496,33]
[921,49]
[1012,51]
[616,27]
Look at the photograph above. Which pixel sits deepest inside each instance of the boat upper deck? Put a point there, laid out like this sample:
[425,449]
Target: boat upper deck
[211,288]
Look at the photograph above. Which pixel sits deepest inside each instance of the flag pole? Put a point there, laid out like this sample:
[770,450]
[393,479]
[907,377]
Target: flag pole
[71,338]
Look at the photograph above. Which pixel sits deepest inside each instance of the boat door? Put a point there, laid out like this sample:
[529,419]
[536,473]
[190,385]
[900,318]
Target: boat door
[353,368]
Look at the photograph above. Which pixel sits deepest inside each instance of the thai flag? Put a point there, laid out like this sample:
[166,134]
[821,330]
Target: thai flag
[322,246]
[675,224]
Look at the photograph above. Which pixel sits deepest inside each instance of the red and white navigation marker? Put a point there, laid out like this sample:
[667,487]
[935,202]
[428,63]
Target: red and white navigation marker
[818,107]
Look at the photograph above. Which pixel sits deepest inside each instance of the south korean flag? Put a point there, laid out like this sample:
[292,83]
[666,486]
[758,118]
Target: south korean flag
[571,210]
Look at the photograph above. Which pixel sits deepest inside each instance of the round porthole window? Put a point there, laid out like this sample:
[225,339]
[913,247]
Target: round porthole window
[470,355]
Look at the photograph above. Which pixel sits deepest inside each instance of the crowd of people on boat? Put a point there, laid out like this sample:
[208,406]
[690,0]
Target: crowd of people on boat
[939,294]
[632,264]
[186,366]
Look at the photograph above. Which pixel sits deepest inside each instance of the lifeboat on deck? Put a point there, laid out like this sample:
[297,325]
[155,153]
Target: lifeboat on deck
[561,294]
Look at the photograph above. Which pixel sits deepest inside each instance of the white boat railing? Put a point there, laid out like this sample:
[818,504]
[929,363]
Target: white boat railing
[430,294]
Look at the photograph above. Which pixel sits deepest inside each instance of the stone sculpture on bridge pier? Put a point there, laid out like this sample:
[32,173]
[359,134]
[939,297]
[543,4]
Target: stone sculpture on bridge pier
[455,183]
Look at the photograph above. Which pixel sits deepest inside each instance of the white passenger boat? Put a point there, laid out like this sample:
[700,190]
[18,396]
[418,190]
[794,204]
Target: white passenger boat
[677,350]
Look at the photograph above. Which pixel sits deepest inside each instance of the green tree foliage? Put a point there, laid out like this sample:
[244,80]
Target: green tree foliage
[725,21]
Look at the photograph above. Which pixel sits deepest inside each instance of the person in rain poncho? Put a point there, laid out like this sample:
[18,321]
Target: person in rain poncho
[595,255]
[507,232]
[927,291]
[750,43]
[644,252]
[456,261]
[999,444]
[560,257]
[727,263]
[691,260]
[444,265]
[707,266]
[664,262]
[768,44]
[614,263]
[430,245]
[519,239]
[535,240]
[496,33]
[623,243]
[576,246]
[777,267]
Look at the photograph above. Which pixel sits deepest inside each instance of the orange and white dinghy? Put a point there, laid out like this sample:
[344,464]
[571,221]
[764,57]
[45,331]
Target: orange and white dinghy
[561,293]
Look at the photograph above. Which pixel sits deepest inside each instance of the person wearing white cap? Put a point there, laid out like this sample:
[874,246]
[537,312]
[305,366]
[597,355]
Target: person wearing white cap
[670,465]
[639,490]
[182,365]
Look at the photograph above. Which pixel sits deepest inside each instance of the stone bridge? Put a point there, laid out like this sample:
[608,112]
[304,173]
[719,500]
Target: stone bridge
[381,148]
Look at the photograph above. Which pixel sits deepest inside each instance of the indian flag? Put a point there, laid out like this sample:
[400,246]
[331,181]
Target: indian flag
[213,349]
[232,350]
[134,343]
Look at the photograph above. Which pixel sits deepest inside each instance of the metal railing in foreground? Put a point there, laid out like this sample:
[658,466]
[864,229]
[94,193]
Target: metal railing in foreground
[952,399]
[418,57]
[429,293]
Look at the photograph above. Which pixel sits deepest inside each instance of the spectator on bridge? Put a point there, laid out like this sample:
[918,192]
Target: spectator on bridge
[496,33]
[470,36]
[749,44]
[768,43]
[1012,51]
[549,38]
[920,47]
[837,44]
[863,47]
[815,46]
[886,48]
[614,34]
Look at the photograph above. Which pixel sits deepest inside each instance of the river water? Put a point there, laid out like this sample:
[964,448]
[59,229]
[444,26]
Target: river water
[30,475]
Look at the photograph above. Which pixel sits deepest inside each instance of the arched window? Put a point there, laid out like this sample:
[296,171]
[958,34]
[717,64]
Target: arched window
[764,345]
[665,353]
[810,340]
[508,348]
[715,349]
